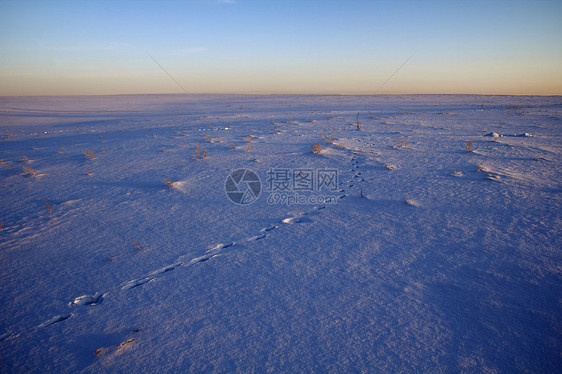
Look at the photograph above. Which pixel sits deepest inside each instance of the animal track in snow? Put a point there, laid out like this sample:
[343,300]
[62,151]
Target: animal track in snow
[259,237]
[221,246]
[254,238]
[165,269]
[291,220]
[137,282]
[55,319]
[202,259]
[215,251]
[87,300]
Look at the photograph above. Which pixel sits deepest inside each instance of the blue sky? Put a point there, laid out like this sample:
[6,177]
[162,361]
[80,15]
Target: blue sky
[243,46]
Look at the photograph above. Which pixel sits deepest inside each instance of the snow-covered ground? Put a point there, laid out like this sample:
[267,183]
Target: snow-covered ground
[449,262]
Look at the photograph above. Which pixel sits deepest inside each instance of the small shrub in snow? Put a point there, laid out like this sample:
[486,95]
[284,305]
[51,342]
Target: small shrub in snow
[50,207]
[249,142]
[89,154]
[125,343]
[329,140]
[316,148]
[199,154]
[481,167]
[29,170]
[7,164]
[400,143]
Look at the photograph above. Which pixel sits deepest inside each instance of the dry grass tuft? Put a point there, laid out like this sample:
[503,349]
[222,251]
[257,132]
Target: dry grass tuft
[29,170]
[211,140]
[89,154]
[315,148]
[199,154]
[7,164]
[400,143]
[50,207]
[248,140]
[136,245]
[482,167]
[128,341]
[329,140]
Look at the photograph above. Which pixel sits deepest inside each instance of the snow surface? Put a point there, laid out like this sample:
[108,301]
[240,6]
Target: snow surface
[450,262]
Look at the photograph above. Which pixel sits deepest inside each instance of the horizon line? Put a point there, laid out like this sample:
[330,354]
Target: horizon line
[285,94]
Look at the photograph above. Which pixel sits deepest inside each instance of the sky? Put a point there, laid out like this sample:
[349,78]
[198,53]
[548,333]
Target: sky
[281,47]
